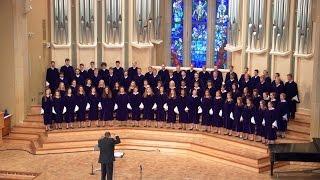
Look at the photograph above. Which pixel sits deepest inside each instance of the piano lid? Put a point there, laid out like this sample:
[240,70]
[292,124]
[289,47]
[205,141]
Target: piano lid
[312,147]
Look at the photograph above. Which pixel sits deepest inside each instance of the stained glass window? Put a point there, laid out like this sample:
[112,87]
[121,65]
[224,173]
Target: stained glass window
[177,33]
[199,32]
[221,26]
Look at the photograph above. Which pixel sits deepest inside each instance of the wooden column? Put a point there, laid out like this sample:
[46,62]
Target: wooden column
[187,31]
[1,126]
[315,95]
[166,28]
[21,62]
[211,32]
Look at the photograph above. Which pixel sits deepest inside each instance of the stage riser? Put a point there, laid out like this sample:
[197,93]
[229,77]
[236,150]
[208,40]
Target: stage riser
[158,144]
[207,139]
[233,151]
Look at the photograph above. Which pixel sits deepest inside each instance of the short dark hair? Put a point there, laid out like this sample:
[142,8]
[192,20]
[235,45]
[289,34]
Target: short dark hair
[256,70]
[67,59]
[289,75]
[118,62]
[81,64]
[103,64]
[92,62]
[107,134]
[52,62]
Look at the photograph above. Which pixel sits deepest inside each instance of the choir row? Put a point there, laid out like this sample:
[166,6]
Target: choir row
[244,115]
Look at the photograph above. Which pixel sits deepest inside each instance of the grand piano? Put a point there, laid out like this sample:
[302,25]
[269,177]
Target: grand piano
[303,152]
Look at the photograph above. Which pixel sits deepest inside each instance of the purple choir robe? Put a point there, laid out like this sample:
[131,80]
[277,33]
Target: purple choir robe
[217,107]
[57,104]
[237,113]
[47,108]
[107,108]
[171,115]
[193,103]
[81,101]
[93,113]
[122,112]
[206,104]
[283,110]
[258,116]
[135,100]
[161,99]
[247,114]
[70,104]
[182,104]
[227,110]
[271,116]
[148,112]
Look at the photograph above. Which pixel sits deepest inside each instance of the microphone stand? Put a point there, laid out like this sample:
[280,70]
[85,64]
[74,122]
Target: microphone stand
[140,172]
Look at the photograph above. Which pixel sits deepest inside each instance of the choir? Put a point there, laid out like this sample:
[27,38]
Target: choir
[252,107]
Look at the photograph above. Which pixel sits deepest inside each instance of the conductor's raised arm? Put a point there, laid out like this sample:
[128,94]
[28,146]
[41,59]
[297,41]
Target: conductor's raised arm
[117,140]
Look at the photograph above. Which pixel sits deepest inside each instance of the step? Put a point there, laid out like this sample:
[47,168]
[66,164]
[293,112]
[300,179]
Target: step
[292,135]
[35,109]
[27,130]
[30,126]
[151,131]
[33,123]
[298,123]
[226,148]
[23,136]
[285,140]
[88,146]
[299,129]
[302,118]
[34,118]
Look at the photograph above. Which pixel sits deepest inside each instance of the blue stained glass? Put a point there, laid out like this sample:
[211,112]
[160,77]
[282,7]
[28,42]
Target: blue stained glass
[199,34]
[221,27]
[177,32]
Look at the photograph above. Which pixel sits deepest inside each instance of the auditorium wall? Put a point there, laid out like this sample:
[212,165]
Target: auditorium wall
[21,89]
[14,59]
[300,67]
[7,94]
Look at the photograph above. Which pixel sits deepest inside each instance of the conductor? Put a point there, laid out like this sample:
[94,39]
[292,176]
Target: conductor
[106,157]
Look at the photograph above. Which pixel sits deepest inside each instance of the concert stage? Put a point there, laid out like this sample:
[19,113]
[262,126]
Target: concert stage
[248,155]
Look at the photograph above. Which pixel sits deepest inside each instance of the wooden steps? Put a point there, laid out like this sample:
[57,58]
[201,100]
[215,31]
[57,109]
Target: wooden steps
[230,150]
[35,109]
[251,157]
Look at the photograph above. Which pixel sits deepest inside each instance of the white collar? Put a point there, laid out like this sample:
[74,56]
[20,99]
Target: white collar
[218,97]
[194,96]
[135,93]
[271,108]
[283,100]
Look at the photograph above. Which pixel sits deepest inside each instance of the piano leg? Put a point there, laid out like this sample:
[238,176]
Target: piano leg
[271,168]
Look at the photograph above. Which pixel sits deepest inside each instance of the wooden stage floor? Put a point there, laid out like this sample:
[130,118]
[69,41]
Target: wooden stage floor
[156,165]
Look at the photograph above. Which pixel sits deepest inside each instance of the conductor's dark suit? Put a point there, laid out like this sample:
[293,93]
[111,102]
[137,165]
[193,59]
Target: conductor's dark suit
[106,157]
